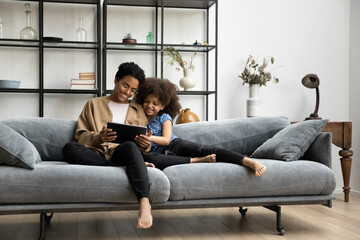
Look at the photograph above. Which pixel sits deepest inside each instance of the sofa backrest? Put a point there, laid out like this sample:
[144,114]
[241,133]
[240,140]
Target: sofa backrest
[242,135]
[48,135]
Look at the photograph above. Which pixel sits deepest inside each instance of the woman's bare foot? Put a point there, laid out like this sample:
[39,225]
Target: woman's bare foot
[207,159]
[145,218]
[258,168]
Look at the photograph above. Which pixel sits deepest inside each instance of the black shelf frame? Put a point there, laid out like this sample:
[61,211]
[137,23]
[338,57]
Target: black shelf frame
[42,45]
[161,5]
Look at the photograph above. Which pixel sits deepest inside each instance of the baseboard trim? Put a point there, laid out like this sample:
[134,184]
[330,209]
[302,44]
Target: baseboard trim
[352,192]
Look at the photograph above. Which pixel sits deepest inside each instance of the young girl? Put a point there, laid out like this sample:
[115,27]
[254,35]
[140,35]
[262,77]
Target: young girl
[161,104]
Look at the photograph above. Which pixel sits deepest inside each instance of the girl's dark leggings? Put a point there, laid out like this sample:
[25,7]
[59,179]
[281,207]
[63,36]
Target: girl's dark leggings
[180,151]
[126,154]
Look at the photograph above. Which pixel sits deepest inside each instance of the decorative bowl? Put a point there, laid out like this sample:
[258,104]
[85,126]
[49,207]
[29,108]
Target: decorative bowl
[9,84]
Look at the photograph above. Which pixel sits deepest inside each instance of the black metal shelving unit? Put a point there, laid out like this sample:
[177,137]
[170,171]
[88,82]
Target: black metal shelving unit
[42,45]
[160,6]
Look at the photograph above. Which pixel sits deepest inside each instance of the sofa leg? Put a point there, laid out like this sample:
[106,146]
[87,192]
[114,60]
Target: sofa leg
[243,211]
[42,226]
[44,219]
[277,209]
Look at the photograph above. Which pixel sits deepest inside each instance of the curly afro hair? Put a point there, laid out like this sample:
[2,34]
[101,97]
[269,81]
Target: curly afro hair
[163,89]
[132,69]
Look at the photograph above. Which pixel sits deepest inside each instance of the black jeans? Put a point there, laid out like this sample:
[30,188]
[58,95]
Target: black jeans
[126,154]
[182,150]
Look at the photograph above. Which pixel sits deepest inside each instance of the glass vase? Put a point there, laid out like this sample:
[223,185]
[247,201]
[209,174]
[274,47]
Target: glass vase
[150,38]
[81,33]
[1,29]
[28,33]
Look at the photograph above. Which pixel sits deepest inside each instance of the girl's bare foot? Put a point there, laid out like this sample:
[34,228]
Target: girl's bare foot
[145,218]
[207,159]
[258,168]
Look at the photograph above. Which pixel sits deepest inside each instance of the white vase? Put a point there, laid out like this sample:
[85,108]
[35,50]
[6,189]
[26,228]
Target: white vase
[187,82]
[253,104]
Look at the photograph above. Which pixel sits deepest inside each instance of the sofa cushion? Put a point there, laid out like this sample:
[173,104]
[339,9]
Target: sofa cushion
[291,143]
[59,182]
[225,180]
[242,135]
[16,150]
[48,135]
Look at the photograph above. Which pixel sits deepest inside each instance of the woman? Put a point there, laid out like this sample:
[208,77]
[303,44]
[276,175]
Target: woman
[93,144]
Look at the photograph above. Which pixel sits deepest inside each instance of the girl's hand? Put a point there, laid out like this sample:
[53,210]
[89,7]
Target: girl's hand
[149,164]
[144,140]
[107,135]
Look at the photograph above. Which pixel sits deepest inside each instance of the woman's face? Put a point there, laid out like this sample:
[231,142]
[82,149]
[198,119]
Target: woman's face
[125,88]
[152,106]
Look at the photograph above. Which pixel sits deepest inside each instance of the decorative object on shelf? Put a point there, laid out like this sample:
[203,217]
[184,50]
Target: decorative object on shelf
[255,75]
[128,39]
[196,43]
[173,56]
[52,39]
[312,81]
[81,34]
[9,84]
[187,82]
[186,116]
[28,33]
[206,43]
[86,80]
[1,29]
[150,38]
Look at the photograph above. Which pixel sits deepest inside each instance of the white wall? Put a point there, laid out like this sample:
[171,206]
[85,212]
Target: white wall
[354,90]
[304,36]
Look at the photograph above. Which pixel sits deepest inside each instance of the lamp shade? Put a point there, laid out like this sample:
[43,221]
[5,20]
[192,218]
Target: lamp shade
[310,81]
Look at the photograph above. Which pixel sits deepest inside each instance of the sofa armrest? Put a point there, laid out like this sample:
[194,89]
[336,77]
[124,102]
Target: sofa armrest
[320,149]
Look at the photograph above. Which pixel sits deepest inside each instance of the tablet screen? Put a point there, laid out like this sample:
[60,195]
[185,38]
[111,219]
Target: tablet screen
[126,132]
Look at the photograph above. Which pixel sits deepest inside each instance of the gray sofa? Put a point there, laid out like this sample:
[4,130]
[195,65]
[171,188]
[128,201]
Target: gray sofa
[35,179]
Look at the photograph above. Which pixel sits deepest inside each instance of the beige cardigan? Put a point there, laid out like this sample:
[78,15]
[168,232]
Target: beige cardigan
[95,114]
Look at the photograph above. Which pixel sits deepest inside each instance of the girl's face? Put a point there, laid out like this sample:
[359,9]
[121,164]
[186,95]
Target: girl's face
[152,106]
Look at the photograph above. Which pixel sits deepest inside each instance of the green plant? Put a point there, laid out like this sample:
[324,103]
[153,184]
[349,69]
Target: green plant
[173,56]
[255,73]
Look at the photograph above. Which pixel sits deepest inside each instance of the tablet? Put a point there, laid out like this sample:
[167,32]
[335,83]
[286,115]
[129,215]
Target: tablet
[126,132]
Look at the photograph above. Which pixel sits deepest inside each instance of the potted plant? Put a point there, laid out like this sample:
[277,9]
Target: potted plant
[256,75]
[174,57]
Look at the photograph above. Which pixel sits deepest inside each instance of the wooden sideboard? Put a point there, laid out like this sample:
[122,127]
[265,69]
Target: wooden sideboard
[341,137]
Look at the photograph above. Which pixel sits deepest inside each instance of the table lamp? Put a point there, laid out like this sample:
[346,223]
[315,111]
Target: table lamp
[312,81]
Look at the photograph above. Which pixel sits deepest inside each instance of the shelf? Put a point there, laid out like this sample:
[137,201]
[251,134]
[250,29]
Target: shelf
[70,44]
[72,91]
[152,47]
[18,43]
[127,46]
[195,92]
[20,90]
[201,4]
[73,1]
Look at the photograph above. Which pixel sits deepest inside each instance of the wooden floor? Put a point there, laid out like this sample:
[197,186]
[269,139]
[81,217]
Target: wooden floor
[342,221]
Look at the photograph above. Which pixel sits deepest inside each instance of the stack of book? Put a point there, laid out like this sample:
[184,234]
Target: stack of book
[85,81]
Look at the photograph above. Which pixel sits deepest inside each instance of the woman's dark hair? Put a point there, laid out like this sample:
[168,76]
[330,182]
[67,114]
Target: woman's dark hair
[132,69]
[163,89]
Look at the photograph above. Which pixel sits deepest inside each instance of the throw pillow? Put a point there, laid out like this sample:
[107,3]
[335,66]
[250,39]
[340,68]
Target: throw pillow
[16,150]
[291,143]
